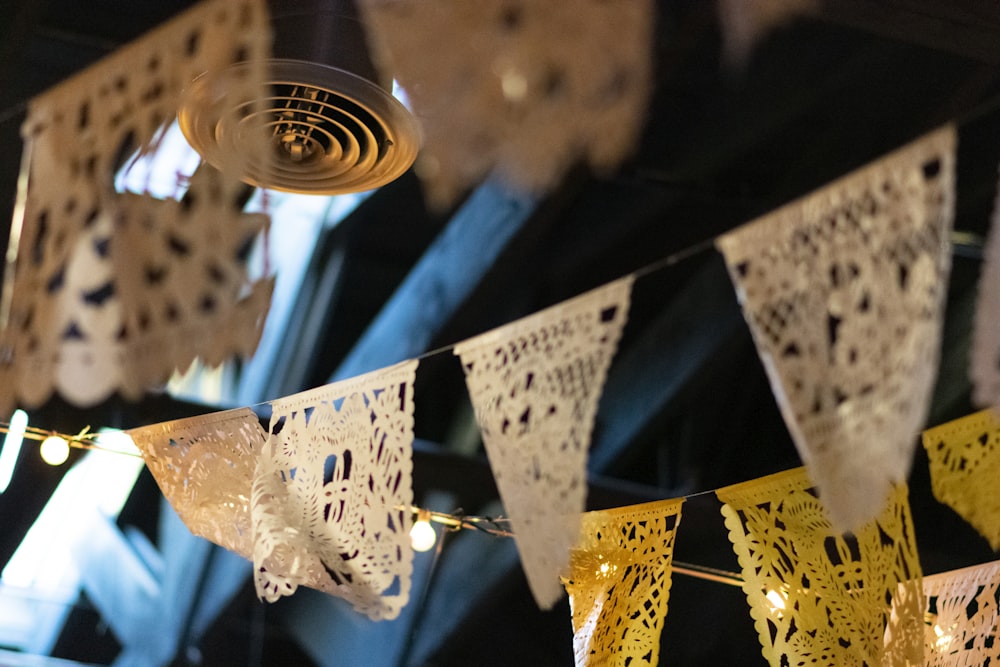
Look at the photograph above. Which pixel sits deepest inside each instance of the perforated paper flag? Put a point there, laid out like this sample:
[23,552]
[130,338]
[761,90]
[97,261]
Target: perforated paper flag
[961,616]
[535,385]
[114,292]
[965,468]
[527,87]
[818,596]
[844,293]
[332,497]
[619,583]
[984,353]
[205,466]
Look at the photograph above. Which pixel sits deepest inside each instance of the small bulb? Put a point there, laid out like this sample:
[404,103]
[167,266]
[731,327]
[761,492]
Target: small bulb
[422,535]
[943,639]
[777,601]
[54,450]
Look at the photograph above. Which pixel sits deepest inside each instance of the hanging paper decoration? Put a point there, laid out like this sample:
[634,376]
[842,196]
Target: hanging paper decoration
[332,498]
[528,87]
[818,596]
[205,466]
[183,287]
[535,385]
[984,353]
[744,23]
[965,466]
[113,292]
[961,626]
[619,583]
[843,291]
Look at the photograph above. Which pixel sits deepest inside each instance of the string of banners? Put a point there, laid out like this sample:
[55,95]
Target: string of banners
[843,291]
[323,497]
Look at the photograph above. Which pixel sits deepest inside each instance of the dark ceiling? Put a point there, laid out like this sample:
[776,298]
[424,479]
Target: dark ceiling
[686,407]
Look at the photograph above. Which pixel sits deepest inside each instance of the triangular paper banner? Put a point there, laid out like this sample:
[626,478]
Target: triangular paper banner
[744,23]
[817,596]
[984,354]
[965,467]
[619,583]
[205,466]
[535,385]
[844,292]
[962,615]
[97,301]
[332,499]
[527,87]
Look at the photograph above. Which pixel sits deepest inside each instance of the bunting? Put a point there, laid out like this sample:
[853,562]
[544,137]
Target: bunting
[535,385]
[843,291]
[984,352]
[332,495]
[965,466]
[528,87]
[961,625]
[205,466]
[619,583]
[818,596]
[744,23]
[112,292]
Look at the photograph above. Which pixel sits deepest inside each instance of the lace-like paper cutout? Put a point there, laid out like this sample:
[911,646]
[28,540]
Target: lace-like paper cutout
[528,87]
[818,596]
[961,623]
[843,291]
[535,385]
[744,23]
[332,499]
[965,466]
[984,354]
[619,583]
[205,467]
[98,300]
[183,286]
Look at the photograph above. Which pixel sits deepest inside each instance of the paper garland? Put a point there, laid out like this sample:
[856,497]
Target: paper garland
[965,466]
[818,596]
[984,352]
[205,468]
[744,23]
[962,615]
[843,291]
[535,386]
[332,496]
[619,583]
[89,307]
[528,87]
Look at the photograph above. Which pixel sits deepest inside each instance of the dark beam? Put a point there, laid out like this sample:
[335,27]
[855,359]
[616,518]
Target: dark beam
[441,280]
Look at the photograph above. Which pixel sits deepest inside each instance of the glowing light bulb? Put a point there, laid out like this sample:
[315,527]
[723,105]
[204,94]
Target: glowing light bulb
[777,601]
[54,450]
[422,535]
[943,639]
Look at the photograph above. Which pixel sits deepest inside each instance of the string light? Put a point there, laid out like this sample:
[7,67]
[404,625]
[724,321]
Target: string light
[54,450]
[943,638]
[777,601]
[422,534]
